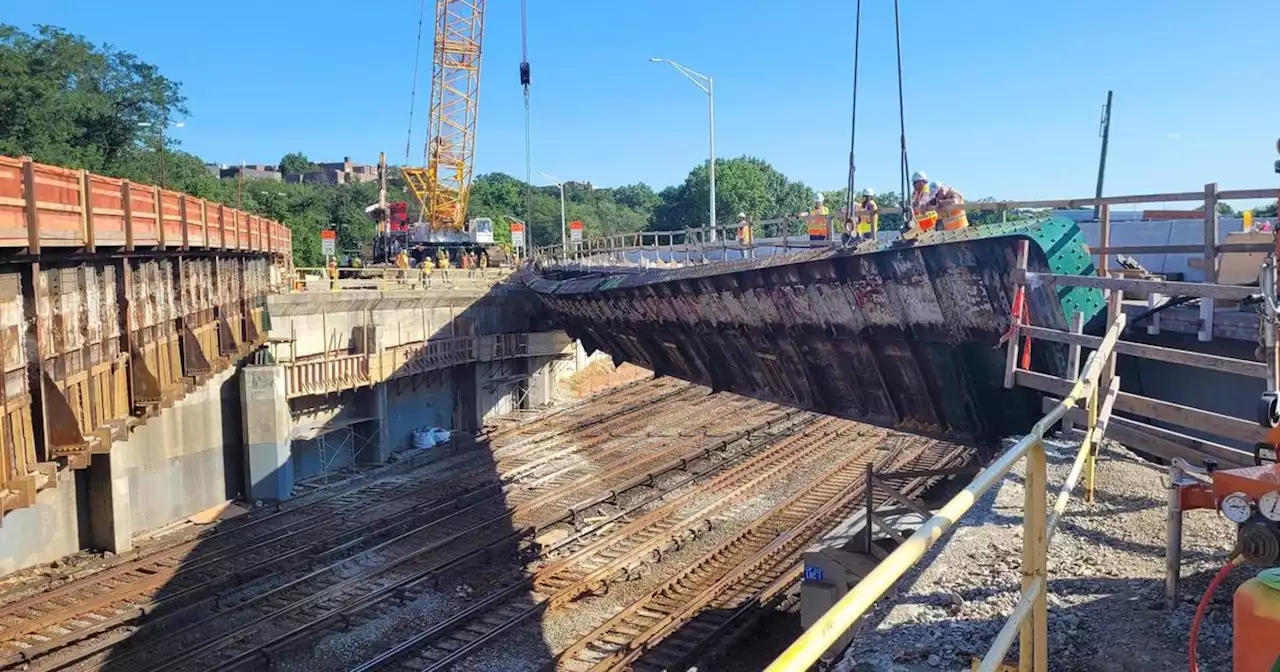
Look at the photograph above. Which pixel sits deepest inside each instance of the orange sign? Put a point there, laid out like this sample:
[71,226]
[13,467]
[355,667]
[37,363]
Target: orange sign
[575,230]
[328,234]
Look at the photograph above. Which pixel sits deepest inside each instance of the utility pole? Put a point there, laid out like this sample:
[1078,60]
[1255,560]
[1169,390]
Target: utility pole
[525,80]
[1105,132]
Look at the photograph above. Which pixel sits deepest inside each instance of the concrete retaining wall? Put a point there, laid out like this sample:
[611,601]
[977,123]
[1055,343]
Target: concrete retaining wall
[44,532]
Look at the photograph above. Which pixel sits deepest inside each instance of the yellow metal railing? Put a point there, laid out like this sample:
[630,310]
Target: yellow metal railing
[1029,619]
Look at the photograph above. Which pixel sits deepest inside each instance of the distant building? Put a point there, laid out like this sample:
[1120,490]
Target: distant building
[215,169]
[345,172]
[251,172]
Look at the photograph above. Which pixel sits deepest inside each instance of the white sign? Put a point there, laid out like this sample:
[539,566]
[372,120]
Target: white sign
[517,234]
[329,242]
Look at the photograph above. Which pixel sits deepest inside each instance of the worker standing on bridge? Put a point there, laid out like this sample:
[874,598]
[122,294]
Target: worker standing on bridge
[949,203]
[425,270]
[333,273]
[484,260]
[923,217]
[868,215]
[818,220]
[744,229]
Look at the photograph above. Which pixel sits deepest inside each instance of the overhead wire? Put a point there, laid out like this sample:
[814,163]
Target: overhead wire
[413,92]
[902,114]
[853,131]
[526,78]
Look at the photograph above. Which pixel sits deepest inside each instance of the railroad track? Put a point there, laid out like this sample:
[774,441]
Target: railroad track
[594,565]
[734,605]
[477,527]
[760,556]
[123,594]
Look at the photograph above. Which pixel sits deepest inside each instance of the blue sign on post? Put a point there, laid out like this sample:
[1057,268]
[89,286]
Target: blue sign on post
[812,573]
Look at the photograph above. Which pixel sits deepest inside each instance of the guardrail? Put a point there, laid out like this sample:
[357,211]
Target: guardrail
[1098,385]
[335,372]
[309,279]
[699,245]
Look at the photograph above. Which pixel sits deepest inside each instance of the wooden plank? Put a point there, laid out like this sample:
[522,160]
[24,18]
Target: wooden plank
[155,189]
[183,221]
[127,199]
[1242,194]
[1104,251]
[1161,442]
[1238,367]
[86,212]
[29,201]
[1217,424]
[1225,248]
[1211,232]
[1168,288]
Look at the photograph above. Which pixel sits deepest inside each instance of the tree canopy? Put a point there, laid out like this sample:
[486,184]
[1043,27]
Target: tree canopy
[295,163]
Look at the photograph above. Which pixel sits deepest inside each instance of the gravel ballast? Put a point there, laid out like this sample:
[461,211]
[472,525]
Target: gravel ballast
[1106,571]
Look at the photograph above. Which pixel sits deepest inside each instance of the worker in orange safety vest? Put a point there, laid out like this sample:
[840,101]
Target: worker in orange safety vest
[818,219]
[923,217]
[949,204]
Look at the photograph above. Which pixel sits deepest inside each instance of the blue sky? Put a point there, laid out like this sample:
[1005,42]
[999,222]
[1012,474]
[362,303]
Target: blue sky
[1003,97]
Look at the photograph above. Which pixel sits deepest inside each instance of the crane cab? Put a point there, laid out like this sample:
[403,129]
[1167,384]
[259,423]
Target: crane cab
[480,231]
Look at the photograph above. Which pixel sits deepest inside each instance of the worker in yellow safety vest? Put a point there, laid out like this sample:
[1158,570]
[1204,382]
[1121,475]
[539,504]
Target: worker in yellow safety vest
[425,269]
[868,215]
[923,217]
[818,219]
[333,272]
[744,229]
[950,206]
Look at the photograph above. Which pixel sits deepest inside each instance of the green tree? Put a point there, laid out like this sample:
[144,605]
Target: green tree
[296,163]
[1265,211]
[69,102]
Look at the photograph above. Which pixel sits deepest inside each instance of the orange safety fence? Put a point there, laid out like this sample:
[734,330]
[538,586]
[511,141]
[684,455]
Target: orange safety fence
[49,206]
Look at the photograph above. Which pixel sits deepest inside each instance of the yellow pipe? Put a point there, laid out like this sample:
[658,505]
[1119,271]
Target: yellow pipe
[809,647]
[994,660]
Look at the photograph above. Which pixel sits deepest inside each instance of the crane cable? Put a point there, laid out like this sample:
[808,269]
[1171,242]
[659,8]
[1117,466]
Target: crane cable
[902,117]
[525,81]
[413,92]
[853,132]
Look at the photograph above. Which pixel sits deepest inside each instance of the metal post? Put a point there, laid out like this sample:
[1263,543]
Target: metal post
[1268,283]
[1173,545]
[1102,162]
[711,167]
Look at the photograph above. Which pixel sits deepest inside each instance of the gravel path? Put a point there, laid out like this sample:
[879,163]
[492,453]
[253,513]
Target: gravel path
[1106,569]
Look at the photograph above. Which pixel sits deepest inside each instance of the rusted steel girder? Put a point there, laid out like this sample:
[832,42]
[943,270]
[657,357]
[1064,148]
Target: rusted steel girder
[901,337]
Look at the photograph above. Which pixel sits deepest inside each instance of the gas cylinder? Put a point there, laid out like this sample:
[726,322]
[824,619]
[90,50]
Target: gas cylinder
[1257,620]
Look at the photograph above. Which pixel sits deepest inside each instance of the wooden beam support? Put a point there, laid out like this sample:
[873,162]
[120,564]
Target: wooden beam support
[86,212]
[1104,246]
[31,206]
[1238,367]
[1168,288]
[1209,422]
[126,196]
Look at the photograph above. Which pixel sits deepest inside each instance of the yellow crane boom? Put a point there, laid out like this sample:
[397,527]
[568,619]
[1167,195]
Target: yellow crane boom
[442,183]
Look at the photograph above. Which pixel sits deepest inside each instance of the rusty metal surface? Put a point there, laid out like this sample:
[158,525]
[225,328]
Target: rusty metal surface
[899,337]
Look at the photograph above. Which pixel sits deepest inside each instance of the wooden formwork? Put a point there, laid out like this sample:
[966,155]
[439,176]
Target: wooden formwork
[89,348]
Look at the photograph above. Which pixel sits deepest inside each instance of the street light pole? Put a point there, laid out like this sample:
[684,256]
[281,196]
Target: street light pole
[163,126]
[708,88]
[564,227]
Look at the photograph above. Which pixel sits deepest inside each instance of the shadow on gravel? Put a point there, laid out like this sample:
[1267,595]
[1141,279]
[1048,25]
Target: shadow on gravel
[354,570]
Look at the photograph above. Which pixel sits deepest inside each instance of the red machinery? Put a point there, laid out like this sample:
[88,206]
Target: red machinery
[1250,498]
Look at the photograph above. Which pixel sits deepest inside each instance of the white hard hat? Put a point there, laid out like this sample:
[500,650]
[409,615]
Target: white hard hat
[817,198]
[742,215]
[869,193]
[919,176]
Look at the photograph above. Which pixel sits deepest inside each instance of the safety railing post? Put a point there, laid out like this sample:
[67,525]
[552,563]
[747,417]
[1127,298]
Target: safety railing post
[1033,646]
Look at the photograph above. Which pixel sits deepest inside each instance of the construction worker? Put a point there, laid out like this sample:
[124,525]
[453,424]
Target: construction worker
[744,229]
[333,273]
[484,260]
[817,220]
[949,204]
[923,217]
[425,269]
[868,215]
